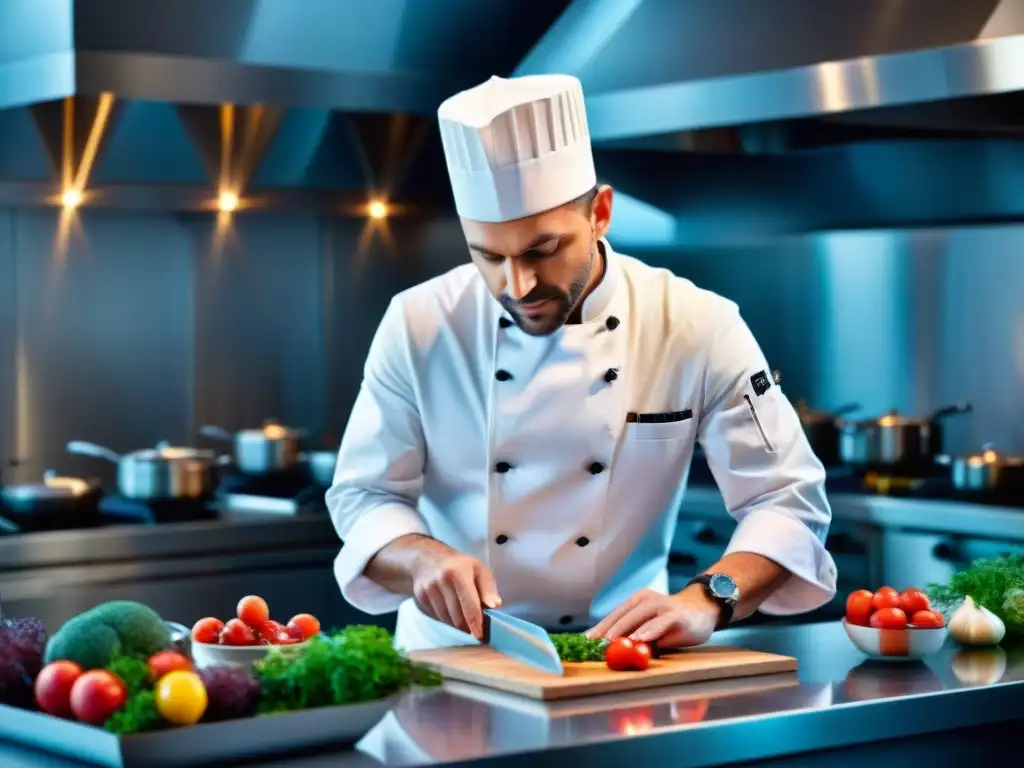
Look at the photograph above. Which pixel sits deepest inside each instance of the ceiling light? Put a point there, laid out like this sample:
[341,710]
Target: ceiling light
[378,210]
[228,201]
[71,198]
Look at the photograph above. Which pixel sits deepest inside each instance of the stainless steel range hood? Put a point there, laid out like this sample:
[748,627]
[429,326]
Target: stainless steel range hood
[685,65]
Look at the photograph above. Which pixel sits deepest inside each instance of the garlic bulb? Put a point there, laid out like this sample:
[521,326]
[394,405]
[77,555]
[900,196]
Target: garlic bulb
[979,666]
[973,624]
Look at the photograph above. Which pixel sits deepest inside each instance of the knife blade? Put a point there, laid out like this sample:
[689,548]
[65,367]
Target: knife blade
[522,641]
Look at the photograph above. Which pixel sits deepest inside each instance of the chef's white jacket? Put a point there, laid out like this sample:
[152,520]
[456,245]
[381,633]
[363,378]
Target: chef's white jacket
[561,461]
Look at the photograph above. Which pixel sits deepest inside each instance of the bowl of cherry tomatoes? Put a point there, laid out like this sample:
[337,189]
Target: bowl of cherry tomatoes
[245,639]
[887,625]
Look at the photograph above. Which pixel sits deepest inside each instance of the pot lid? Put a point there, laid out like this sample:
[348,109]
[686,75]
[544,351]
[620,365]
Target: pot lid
[165,452]
[271,430]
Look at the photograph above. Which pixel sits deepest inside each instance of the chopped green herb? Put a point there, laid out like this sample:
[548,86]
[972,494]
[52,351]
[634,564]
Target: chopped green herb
[138,715]
[572,646]
[357,664]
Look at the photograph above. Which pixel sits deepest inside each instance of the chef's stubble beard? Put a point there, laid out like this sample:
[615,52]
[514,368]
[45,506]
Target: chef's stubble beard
[567,303]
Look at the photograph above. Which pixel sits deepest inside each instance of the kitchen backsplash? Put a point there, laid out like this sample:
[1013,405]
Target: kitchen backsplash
[146,326]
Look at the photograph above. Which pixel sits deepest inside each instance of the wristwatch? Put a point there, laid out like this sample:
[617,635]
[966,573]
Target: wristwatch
[723,590]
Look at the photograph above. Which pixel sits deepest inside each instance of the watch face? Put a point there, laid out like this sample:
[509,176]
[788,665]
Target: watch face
[723,587]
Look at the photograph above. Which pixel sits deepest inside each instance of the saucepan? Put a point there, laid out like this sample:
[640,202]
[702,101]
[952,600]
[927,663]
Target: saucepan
[822,430]
[272,448]
[988,470]
[896,443]
[321,466]
[164,472]
[54,496]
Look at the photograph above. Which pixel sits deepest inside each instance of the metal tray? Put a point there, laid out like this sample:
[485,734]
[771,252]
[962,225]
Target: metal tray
[203,744]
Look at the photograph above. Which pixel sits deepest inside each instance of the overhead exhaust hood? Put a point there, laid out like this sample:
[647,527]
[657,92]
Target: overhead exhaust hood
[686,65]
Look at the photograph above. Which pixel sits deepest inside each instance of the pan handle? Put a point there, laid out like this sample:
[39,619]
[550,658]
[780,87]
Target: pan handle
[951,410]
[83,448]
[215,433]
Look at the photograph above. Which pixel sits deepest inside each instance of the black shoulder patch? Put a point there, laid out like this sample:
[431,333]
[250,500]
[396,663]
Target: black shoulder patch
[760,382]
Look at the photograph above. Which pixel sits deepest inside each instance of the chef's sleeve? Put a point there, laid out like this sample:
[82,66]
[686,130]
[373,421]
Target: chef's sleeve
[771,480]
[379,475]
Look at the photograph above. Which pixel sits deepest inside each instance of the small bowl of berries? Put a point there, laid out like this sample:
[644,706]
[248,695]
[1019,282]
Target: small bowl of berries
[245,639]
[887,625]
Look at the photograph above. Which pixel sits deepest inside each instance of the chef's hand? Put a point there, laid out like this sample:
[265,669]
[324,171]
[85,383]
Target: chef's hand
[668,621]
[454,588]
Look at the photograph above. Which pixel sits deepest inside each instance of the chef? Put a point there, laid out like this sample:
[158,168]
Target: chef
[526,422]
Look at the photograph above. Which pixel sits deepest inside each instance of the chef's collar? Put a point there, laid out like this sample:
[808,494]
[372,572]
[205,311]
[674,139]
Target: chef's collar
[599,300]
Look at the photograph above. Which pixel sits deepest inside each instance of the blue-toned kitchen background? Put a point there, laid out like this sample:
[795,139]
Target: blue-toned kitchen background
[876,254]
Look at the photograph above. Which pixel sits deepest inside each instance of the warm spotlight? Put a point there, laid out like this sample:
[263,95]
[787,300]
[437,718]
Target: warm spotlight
[378,210]
[71,198]
[228,201]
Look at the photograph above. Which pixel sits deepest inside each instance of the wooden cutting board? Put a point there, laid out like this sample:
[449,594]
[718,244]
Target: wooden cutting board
[482,665]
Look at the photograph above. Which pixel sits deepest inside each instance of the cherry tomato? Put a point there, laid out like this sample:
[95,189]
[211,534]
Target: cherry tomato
[623,654]
[237,632]
[859,607]
[53,687]
[207,630]
[303,626]
[96,695]
[886,597]
[889,618]
[927,620]
[181,698]
[165,662]
[253,610]
[914,600]
[272,630]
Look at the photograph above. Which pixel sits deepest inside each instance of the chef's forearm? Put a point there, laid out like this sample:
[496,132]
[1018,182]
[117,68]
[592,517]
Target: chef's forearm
[756,576]
[394,566]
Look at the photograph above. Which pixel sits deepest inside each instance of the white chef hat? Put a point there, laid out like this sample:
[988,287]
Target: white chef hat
[517,147]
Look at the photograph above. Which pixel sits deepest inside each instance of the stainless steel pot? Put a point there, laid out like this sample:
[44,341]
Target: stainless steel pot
[988,470]
[54,495]
[321,467]
[895,443]
[161,473]
[272,448]
[822,430]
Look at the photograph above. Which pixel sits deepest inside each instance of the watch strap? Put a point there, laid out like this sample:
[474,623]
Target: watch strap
[726,607]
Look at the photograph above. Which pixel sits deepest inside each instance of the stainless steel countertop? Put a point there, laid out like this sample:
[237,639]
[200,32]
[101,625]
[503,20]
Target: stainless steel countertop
[949,517]
[836,699]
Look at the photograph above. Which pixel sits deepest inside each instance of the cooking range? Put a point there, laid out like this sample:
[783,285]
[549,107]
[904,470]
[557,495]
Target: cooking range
[267,473]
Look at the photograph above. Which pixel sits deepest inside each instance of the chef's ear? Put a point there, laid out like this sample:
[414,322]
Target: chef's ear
[601,210]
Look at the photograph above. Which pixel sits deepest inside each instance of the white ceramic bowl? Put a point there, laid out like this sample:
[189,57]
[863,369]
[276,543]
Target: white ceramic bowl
[212,655]
[895,644]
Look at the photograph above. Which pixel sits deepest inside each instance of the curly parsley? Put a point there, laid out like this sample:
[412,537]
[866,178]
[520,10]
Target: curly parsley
[572,646]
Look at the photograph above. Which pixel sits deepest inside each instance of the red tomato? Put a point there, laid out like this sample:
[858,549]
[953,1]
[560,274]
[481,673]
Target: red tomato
[927,620]
[886,597]
[253,611]
[914,600]
[889,618]
[207,630]
[167,661]
[96,695]
[623,654]
[53,687]
[859,607]
[237,632]
[303,626]
[272,630]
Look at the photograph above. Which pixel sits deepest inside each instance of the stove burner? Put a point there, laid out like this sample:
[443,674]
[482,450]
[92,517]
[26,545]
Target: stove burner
[122,510]
[42,519]
[280,485]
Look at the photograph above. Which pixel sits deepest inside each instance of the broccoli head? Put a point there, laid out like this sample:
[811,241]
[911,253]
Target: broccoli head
[118,628]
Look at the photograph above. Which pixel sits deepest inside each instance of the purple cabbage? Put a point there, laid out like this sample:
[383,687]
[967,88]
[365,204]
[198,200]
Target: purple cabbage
[231,692]
[22,644]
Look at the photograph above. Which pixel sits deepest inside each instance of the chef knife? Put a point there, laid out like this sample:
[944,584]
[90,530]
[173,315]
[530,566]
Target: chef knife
[521,640]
